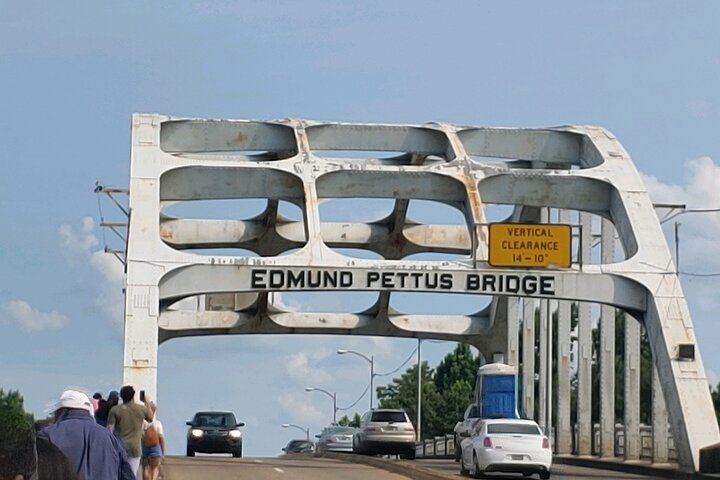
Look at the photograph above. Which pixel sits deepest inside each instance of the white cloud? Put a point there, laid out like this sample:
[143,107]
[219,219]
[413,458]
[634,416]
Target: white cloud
[663,193]
[82,248]
[699,191]
[79,243]
[298,408]
[21,313]
[298,366]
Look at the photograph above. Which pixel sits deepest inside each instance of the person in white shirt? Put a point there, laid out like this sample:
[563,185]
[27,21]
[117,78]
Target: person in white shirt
[153,448]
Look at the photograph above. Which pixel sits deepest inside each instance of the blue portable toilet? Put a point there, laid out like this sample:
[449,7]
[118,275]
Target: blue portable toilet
[496,391]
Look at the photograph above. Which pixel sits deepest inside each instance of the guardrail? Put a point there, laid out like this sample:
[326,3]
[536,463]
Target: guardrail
[443,446]
[437,447]
[646,442]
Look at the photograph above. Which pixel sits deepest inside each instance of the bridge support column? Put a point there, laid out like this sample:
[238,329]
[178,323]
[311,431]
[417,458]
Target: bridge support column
[543,370]
[528,358]
[660,421]
[513,329]
[141,339]
[632,388]
[607,354]
[563,424]
[543,354]
[584,357]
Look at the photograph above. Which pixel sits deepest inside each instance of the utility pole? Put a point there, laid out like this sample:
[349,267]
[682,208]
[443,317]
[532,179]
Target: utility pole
[419,392]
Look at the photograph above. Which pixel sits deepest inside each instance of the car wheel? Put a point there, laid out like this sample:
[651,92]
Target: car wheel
[545,475]
[410,455]
[237,453]
[477,473]
[357,446]
[463,471]
[190,452]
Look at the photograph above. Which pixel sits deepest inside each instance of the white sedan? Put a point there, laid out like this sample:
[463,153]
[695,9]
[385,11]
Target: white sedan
[506,445]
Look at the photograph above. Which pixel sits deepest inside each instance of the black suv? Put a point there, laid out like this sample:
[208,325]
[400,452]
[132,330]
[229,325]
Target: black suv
[214,432]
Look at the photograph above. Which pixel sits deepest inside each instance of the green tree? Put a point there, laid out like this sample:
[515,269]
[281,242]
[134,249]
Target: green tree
[347,422]
[455,382]
[446,391]
[402,393]
[13,418]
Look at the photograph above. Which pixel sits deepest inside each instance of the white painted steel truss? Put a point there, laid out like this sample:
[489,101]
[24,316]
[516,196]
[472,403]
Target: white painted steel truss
[578,168]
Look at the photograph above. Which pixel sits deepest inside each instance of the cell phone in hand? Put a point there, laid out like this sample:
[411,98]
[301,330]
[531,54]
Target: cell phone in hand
[142,395]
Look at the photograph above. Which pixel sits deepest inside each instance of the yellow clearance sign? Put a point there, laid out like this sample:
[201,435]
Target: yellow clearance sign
[529,245]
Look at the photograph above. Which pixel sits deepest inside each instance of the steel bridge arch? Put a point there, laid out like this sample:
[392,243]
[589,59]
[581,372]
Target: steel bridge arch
[573,168]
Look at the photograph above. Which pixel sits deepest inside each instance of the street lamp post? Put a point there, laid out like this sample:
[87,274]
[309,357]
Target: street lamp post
[419,392]
[304,430]
[371,361]
[331,395]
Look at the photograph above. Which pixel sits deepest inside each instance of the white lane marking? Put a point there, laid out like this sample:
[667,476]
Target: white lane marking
[258,461]
[279,470]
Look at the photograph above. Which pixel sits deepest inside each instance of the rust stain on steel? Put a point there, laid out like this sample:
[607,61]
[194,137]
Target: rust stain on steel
[166,233]
[473,199]
[239,139]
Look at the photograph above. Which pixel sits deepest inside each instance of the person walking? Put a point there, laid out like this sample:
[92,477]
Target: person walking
[96,401]
[92,450]
[126,421]
[101,415]
[153,448]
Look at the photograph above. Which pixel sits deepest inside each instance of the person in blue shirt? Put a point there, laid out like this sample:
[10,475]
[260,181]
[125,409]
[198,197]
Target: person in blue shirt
[94,452]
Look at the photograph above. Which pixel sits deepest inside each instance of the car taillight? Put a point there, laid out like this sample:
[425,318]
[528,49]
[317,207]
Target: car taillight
[546,443]
[409,429]
[487,442]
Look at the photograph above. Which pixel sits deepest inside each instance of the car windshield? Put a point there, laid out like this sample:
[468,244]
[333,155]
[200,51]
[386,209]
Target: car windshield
[299,444]
[214,420]
[334,430]
[388,417]
[513,428]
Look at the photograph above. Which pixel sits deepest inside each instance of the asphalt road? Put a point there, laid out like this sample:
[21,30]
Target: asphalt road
[305,467]
[280,468]
[564,472]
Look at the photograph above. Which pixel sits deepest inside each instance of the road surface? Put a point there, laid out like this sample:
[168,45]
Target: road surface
[299,467]
[560,472]
[305,467]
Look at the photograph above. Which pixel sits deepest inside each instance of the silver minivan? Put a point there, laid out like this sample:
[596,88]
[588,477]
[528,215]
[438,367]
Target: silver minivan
[385,431]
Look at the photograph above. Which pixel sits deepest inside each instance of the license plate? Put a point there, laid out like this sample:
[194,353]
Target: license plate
[517,457]
[390,429]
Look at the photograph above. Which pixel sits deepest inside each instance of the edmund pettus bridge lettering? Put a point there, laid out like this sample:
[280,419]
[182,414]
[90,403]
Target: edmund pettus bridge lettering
[323,279]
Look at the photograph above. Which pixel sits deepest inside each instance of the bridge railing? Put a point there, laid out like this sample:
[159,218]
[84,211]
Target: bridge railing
[438,447]
[443,446]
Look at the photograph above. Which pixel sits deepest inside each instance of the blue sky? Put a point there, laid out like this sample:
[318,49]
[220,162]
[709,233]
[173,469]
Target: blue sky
[73,73]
